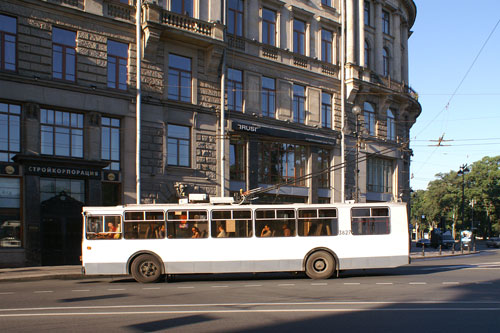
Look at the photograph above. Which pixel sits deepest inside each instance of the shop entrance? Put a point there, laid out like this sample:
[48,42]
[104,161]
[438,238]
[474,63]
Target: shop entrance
[61,230]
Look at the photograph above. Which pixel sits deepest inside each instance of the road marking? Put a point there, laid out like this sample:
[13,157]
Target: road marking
[43,291]
[252,285]
[417,283]
[219,286]
[116,289]
[454,283]
[151,288]
[286,284]
[183,312]
[185,287]
[484,283]
[351,283]
[7,293]
[80,290]
[319,284]
[384,283]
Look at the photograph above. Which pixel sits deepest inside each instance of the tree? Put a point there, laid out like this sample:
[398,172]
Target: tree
[442,200]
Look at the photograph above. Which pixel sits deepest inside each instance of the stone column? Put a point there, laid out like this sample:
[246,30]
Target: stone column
[396,71]
[361,27]
[350,33]
[379,39]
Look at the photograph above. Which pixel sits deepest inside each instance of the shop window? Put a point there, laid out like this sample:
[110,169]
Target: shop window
[63,54]
[237,158]
[10,131]
[110,142]
[51,187]
[10,212]
[117,65]
[324,168]
[111,194]
[281,162]
[61,133]
[8,40]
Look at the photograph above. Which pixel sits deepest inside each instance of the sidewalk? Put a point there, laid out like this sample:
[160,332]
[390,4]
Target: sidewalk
[75,271]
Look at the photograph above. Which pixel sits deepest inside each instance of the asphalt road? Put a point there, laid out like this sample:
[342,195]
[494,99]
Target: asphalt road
[456,294]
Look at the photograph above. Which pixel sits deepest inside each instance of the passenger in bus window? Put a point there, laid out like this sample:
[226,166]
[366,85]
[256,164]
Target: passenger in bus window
[266,231]
[196,232]
[151,231]
[222,232]
[287,232]
[161,232]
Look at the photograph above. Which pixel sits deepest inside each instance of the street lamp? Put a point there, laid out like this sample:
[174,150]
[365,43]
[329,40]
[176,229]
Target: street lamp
[356,110]
[464,168]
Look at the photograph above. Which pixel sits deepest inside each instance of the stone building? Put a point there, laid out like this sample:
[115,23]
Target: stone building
[316,100]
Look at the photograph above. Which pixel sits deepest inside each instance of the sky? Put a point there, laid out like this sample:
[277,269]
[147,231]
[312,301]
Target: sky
[455,69]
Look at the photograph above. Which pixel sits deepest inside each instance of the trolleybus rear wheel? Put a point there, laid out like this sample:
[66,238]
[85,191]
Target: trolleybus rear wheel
[320,265]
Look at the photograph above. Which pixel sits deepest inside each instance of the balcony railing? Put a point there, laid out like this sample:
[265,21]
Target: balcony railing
[72,3]
[118,10]
[187,23]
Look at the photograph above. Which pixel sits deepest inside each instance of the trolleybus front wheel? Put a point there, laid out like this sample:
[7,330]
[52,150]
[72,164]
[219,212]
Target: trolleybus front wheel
[146,269]
[320,265]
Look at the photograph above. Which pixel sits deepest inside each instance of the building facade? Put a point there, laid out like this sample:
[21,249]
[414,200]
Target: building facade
[315,95]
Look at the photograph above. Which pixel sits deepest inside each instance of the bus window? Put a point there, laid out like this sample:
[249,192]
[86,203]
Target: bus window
[318,222]
[144,225]
[231,223]
[370,221]
[275,223]
[103,227]
[187,224]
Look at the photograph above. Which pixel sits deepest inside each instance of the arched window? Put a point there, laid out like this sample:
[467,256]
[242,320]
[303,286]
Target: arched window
[368,52]
[386,59]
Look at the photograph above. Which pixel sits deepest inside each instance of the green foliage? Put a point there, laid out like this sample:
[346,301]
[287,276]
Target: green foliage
[441,202]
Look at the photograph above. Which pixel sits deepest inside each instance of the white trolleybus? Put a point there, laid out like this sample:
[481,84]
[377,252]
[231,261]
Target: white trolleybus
[150,241]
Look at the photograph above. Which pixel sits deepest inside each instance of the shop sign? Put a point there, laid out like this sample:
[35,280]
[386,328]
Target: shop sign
[48,171]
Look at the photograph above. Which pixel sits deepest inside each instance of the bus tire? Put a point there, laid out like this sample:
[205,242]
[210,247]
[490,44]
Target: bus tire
[146,269]
[320,265]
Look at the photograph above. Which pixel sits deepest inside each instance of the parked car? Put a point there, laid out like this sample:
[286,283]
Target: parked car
[447,240]
[493,242]
[423,242]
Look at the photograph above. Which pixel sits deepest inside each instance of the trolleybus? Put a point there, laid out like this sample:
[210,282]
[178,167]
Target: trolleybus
[150,241]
